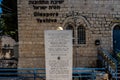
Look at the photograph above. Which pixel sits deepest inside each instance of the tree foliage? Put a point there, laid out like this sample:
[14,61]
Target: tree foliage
[9,18]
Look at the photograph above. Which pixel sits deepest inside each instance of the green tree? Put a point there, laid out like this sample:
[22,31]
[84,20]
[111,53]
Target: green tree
[1,26]
[9,17]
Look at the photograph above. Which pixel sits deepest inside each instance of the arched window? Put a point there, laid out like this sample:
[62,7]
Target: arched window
[81,35]
[70,27]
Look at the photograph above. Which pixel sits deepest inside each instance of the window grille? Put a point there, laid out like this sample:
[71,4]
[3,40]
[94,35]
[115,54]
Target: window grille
[70,27]
[81,35]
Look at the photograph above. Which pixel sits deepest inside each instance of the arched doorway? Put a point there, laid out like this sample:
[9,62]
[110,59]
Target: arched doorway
[116,37]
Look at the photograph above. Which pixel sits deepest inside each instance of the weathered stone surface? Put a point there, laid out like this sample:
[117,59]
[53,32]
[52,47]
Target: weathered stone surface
[98,17]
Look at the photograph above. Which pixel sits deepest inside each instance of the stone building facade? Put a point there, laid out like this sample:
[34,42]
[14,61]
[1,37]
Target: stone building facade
[92,21]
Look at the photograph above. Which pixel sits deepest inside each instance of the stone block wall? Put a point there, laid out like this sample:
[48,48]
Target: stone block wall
[35,16]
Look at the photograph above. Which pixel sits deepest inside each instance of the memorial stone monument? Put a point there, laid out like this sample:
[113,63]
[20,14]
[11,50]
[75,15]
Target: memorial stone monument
[58,54]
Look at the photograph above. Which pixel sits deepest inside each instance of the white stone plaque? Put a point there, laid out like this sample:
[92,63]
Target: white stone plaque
[58,54]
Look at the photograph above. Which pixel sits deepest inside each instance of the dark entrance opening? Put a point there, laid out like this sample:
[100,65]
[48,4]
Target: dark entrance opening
[116,38]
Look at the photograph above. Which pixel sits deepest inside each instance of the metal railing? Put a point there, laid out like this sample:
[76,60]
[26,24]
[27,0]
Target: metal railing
[39,73]
[22,73]
[116,52]
[87,73]
[108,62]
